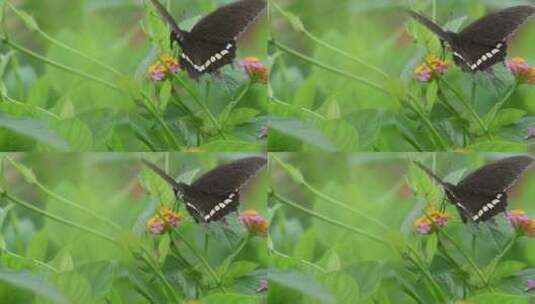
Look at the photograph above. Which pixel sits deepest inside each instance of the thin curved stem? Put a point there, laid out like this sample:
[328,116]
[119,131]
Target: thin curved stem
[326,67]
[58,65]
[56,218]
[336,223]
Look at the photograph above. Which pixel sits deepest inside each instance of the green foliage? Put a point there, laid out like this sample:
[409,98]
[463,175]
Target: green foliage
[83,84]
[350,82]
[76,232]
[317,260]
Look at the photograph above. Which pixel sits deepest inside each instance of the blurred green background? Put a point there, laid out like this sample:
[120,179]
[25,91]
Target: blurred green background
[340,113]
[44,257]
[117,33]
[315,261]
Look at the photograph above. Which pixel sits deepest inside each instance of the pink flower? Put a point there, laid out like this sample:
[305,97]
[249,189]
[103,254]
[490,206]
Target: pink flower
[254,222]
[530,285]
[531,133]
[165,65]
[257,71]
[164,220]
[424,71]
[156,225]
[263,286]
[157,71]
[522,222]
[518,217]
[424,224]
[520,68]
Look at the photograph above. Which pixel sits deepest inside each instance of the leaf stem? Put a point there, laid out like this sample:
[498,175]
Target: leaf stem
[326,67]
[58,65]
[56,218]
[336,223]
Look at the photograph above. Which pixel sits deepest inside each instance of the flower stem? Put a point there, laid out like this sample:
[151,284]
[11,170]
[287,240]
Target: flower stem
[331,47]
[58,65]
[327,67]
[203,261]
[203,106]
[336,223]
[56,218]
[332,200]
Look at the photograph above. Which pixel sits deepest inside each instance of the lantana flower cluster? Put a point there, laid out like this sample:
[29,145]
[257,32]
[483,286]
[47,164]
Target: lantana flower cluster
[165,66]
[522,222]
[164,220]
[255,69]
[424,71]
[254,222]
[523,72]
[424,224]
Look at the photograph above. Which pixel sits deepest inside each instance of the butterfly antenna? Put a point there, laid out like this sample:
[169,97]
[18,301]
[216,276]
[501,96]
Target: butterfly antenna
[430,25]
[167,17]
[169,179]
[429,172]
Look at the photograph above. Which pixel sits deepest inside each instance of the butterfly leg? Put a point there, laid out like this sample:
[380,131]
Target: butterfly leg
[443,45]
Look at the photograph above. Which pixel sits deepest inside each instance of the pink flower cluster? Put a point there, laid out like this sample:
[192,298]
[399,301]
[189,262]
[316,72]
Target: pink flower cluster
[164,220]
[254,222]
[255,69]
[522,222]
[424,224]
[520,68]
[165,65]
[424,71]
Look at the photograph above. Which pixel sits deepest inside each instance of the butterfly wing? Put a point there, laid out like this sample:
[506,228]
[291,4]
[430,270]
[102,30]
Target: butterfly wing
[497,27]
[483,43]
[484,192]
[217,192]
[205,56]
[228,22]
[497,177]
[477,206]
[207,207]
[211,43]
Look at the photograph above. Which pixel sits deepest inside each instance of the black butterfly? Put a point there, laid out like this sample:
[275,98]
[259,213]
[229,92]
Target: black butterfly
[211,43]
[483,194]
[216,193]
[483,43]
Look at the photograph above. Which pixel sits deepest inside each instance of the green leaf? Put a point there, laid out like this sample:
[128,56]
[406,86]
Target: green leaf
[165,95]
[232,146]
[507,117]
[303,131]
[368,123]
[239,269]
[75,132]
[330,109]
[499,146]
[431,247]
[100,275]
[63,260]
[241,116]
[507,269]
[342,134]
[158,187]
[424,185]
[230,298]
[330,261]
[342,286]
[431,95]
[303,283]
[74,286]
[33,129]
[38,246]
[294,173]
[32,282]
[497,298]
